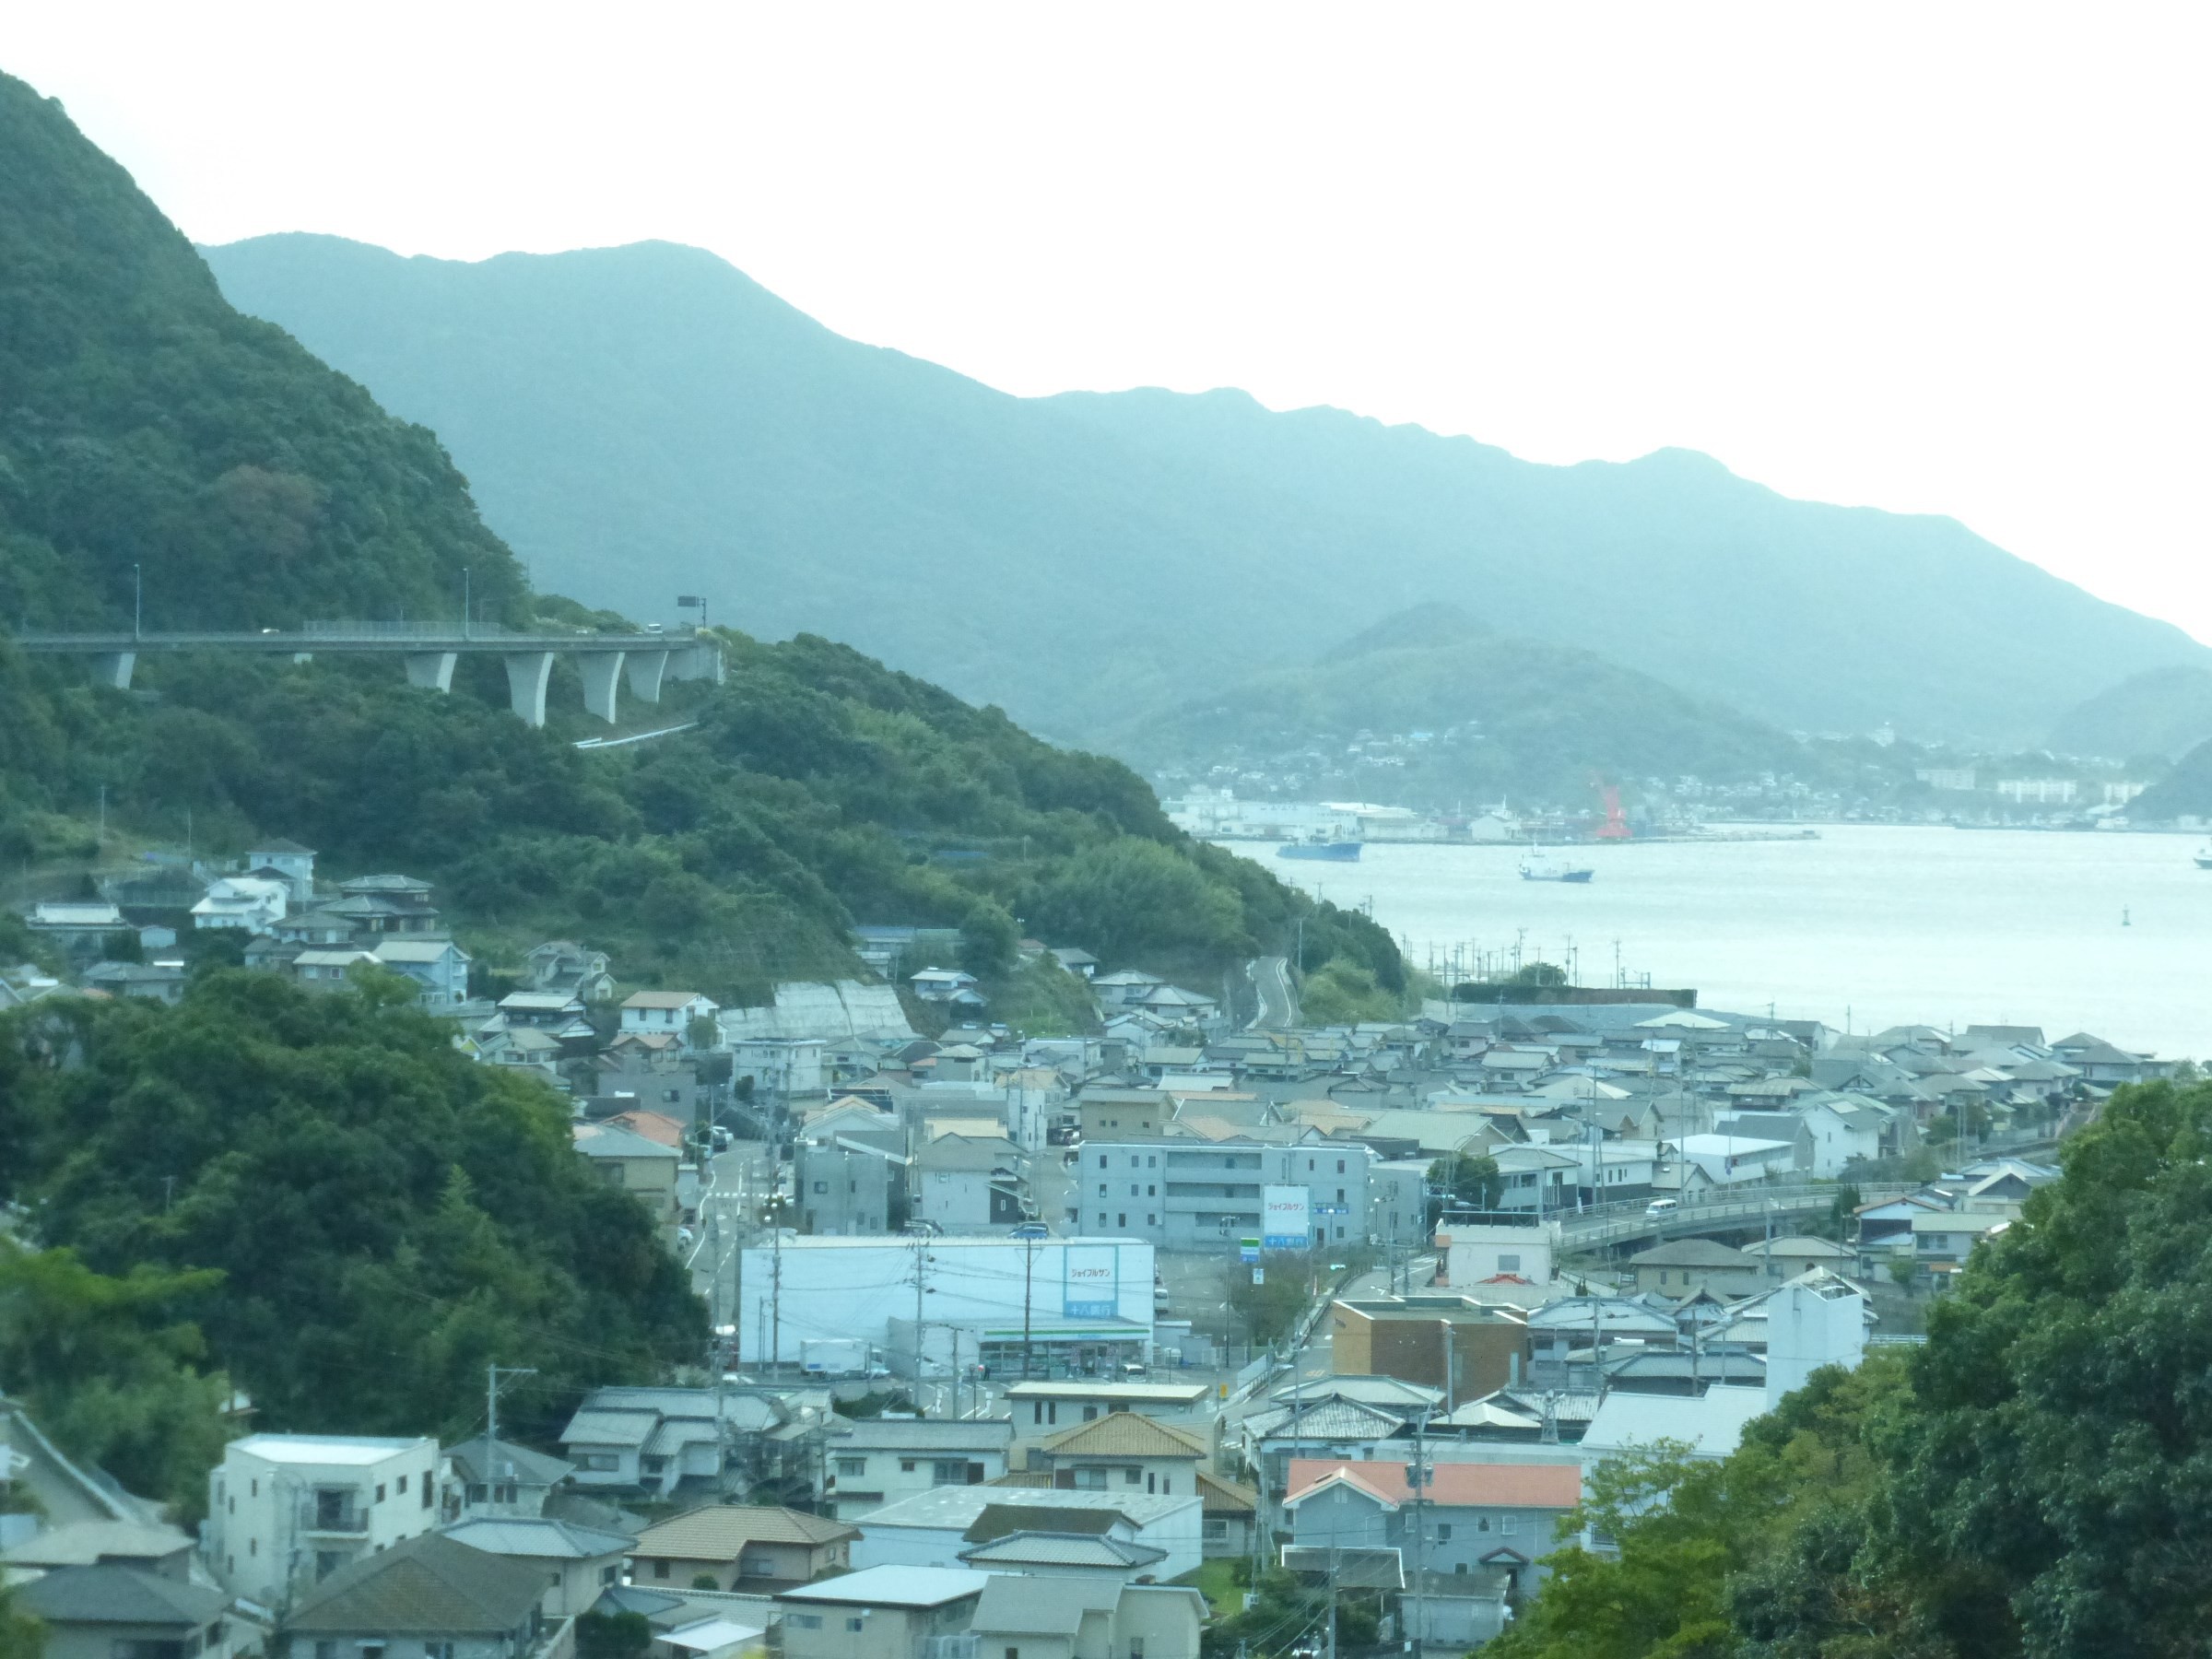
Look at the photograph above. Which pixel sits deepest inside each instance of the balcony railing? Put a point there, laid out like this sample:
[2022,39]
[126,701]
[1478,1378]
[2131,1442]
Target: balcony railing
[345,1519]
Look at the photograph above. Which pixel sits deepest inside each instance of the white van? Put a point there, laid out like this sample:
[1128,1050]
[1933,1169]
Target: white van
[1662,1207]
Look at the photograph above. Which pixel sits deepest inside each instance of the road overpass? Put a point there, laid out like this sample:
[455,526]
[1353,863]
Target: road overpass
[605,661]
[1789,1206]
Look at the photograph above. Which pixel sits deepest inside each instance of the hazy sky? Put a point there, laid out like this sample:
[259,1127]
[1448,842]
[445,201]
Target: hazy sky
[1940,258]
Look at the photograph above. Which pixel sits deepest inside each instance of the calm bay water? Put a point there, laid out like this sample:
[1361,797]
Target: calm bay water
[1883,926]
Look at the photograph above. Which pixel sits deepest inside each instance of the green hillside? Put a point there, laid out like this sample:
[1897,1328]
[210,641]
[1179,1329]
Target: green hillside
[2162,711]
[144,421]
[646,420]
[1502,716]
[818,788]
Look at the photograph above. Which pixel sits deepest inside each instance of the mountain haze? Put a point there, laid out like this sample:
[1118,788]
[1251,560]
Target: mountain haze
[2159,712]
[645,419]
[1504,717]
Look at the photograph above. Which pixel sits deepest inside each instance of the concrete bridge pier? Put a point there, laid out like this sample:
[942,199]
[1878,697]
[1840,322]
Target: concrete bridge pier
[526,674]
[601,673]
[113,668]
[645,668]
[432,670]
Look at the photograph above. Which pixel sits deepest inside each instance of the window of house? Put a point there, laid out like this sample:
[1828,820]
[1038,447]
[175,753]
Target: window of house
[804,1621]
[1101,1160]
[1482,1523]
[1509,1263]
[327,1561]
[1133,1189]
[1340,1166]
[326,1650]
[1152,1221]
[851,1465]
[1090,1480]
[855,1623]
[949,1472]
[906,1466]
[1444,1533]
[1090,1414]
[660,1570]
[1136,1647]
[1152,1191]
[760,1565]
[1102,1192]
[821,1186]
[402,1485]
[1216,1531]
[1508,1524]
[1101,1218]
[1012,1651]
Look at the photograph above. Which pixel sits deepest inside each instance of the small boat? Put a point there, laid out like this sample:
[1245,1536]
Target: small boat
[1334,851]
[2203,856]
[1536,868]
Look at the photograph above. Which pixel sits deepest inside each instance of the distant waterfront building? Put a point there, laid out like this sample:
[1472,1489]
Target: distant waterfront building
[2039,792]
[1946,777]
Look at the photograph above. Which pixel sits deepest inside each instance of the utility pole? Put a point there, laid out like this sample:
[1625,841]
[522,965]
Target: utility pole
[775,1295]
[1029,1273]
[492,1373]
[467,603]
[921,1263]
[138,603]
[1416,1481]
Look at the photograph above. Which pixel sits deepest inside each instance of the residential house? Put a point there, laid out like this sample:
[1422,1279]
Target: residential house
[1117,1114]
[1080,963]
[286,1511]
[667,1084]
[1735,1160]
[1177,1006]
[1065,1554]
[649,1439]
[1325,1426]
[2104,1064]
[942,984]
[385,905]
[497,1479]
[1473,1515]
[1785,1258]
[1061,1616]
[780,1068]
[1121,1450]
[1041,1407]
[111,1612]
[430,1597]
[1845,1130]
[878,1461]
[560,1013]
[330,969]
[880,1613]
[525,1047]
[640,1167]
[1448,1342]
[964,1184]
[1230,1509]
[564,965]
[1710,1424]
[279,859]
[1784,1127]
[438,966]
[1685,1265]
[754,1549]
[666,1013]
[936,1528]
[1125,988]
[156,981]
[242,901]
[1944,1239]
[577,1563]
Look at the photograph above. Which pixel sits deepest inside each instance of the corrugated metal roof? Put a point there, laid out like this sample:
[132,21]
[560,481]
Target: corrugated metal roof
[719,1532]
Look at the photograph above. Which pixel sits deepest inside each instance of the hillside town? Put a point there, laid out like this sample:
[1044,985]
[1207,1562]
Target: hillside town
[996,1367]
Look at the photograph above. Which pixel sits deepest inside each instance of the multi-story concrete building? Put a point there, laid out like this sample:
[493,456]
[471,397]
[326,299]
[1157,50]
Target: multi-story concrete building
[969,1183]
[883,1460]
[286,1511]
[1192,1195]
[851,1181]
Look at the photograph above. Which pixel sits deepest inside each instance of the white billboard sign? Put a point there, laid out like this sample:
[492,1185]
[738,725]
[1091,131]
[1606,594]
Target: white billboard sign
[1283,1220]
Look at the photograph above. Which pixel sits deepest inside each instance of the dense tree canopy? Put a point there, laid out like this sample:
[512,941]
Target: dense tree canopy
[385,1217]
[2036,1481]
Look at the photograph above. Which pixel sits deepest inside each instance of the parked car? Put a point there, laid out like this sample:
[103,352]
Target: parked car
[1031,1229]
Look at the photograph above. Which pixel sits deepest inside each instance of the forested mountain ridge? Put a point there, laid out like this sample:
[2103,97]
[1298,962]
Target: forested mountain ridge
[146,422]
[649,414]
[1499,716]
[2160,712]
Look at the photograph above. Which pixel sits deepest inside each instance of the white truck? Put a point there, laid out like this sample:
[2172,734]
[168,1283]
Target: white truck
[836,1357]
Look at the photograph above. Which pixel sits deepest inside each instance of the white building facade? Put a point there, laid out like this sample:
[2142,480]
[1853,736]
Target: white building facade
[286,1511]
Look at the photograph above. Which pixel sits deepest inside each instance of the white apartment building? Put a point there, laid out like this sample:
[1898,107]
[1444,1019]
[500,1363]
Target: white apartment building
[286,1511]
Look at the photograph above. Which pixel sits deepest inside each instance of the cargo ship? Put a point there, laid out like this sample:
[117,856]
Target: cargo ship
[1334,851]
